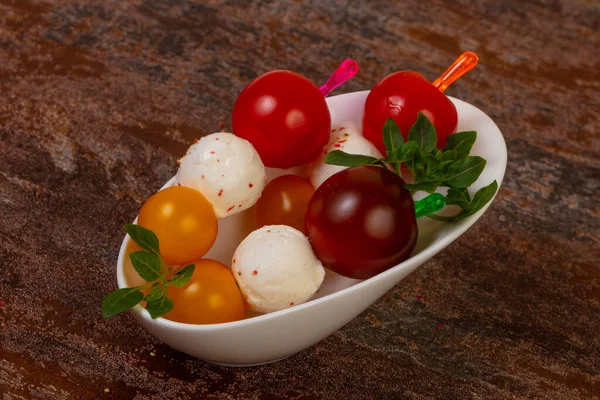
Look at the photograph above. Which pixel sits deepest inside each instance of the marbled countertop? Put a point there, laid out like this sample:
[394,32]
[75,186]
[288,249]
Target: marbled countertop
[99,98]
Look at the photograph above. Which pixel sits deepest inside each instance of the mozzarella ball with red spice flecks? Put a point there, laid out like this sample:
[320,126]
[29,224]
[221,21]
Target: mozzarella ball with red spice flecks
[347,138]
[226,169]
[275,268]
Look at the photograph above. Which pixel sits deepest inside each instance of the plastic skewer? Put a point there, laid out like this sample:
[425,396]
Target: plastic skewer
[347,69]
[463,64]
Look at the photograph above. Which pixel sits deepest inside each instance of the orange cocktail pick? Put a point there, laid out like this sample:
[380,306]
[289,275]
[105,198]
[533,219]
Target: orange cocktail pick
[463,64]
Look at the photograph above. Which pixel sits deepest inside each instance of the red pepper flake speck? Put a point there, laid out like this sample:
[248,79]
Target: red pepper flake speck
[234,260]
[144,361]
[217,139]
[292,303]
[346,134]
[293,378]
[230,208]
[195,141]
[343,141]
[221,125]
[250,185]
[342,128]
[218,160]
[333,130]
[220,192]
[440,326]
[212,152]
[255,272]
[419,297]
[1,303]
[337,145]
[240,206]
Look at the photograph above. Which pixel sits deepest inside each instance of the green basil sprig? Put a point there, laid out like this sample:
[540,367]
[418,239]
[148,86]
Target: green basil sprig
[152,268]
[431,167]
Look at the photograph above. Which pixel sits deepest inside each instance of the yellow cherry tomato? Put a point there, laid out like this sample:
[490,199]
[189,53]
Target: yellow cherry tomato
[210,297]
[284,201]
[184,222]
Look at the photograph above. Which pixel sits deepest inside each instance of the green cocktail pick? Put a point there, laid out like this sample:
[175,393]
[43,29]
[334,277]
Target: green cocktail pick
[429,205]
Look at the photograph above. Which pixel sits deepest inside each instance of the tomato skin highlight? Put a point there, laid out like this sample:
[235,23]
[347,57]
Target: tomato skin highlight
[184,222]
[284,116]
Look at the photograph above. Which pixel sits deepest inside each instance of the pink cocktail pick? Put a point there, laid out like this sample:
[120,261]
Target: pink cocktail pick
[347,69]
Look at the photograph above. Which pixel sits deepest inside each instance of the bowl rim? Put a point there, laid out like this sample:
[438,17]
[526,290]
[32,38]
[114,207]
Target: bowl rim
[419,258]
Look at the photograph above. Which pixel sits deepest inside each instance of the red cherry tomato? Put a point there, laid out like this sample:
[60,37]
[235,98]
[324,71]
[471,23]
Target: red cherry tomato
[361,221]
[284,201]
[402,95]
[284,116]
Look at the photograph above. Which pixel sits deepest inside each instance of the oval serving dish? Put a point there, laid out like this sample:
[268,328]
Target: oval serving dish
[270,337]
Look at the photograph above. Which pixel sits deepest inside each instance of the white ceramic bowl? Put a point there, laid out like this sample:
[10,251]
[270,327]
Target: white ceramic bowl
[270,337]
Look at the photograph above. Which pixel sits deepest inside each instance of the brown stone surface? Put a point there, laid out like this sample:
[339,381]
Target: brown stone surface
[98,98]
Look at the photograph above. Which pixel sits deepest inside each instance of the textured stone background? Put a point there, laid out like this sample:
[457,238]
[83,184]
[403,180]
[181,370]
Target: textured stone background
[98,98]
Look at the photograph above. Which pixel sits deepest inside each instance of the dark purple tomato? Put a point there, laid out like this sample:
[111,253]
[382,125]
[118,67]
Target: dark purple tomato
[361,221]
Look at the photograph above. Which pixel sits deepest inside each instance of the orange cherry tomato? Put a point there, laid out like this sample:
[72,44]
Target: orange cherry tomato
[210,297]
[284,201]
[184,222]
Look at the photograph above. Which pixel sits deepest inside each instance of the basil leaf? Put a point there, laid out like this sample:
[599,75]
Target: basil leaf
[457,197]
[462,142]
[339,157]
[146,265]
[183,276]
[159,307]
[392,137]
[464,172]
[432,167]
[449,155]
[480,199]
[121,300]
[428,187]
[423,132]
[465,192]
[407,153]
[143,237]
[155,294]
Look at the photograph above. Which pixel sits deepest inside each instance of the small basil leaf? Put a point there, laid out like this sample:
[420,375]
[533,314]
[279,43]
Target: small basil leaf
[423,132]
[143,237]
[457,197]
[407,153]
[432,166]
[464,172]
[155,294]
[183,276]
[392,137]
[480,199]
[462,142]
[428,187]
[121,300]
[449,155]
[146,265]
[159,307]
[339,157]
